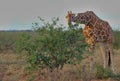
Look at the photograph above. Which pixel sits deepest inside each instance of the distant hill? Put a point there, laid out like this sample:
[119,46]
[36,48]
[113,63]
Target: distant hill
[15,30]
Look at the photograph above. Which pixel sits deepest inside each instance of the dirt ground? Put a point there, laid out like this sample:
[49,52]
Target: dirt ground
[12,69]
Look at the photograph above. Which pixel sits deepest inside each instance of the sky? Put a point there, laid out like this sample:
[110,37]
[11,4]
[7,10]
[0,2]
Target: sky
[20,14]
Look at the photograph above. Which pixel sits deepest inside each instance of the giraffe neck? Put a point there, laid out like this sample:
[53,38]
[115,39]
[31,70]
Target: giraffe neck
[87,18]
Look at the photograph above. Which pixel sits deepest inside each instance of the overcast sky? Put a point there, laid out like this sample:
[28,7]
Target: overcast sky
[19,14]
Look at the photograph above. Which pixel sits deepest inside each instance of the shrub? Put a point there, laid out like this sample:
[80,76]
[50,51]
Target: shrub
[103,72]
[116,77]
[117,39]
[53,46]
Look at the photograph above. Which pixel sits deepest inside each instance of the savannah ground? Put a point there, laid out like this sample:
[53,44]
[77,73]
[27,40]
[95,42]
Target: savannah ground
[12,69]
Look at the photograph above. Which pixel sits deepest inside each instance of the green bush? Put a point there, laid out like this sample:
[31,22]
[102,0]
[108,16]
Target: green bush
[116,77]
[7,40]
[117,39]
[102,73]
[53,46]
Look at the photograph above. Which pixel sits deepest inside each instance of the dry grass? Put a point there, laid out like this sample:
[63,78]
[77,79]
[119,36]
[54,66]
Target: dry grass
[11,69]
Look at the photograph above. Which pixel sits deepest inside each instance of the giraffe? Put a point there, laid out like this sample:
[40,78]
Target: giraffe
[95,31]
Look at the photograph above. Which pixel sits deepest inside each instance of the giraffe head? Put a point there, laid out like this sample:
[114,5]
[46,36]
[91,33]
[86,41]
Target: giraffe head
[70,17]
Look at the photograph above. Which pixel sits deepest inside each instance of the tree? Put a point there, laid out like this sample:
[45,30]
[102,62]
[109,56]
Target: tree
[53,46]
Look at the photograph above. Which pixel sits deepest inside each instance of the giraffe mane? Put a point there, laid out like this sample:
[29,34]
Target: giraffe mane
[91,13]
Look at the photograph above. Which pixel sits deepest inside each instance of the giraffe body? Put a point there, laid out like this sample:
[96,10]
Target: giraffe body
[98,33]
[95,31]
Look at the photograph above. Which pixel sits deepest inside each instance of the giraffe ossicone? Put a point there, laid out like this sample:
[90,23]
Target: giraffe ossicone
[95,31]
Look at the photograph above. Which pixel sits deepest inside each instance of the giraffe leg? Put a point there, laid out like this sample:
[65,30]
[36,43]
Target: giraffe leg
[92,59]
[104,53]
[112,57]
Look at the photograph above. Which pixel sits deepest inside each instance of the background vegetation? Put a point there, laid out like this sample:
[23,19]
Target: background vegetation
[9,38]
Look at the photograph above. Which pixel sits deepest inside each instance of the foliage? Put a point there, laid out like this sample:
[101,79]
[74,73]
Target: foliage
[116,77]
[7,41]
[9,38]
[102,73]
[53,46]
[117,39]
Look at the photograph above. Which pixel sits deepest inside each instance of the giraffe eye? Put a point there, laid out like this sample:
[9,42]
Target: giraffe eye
[72,17]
